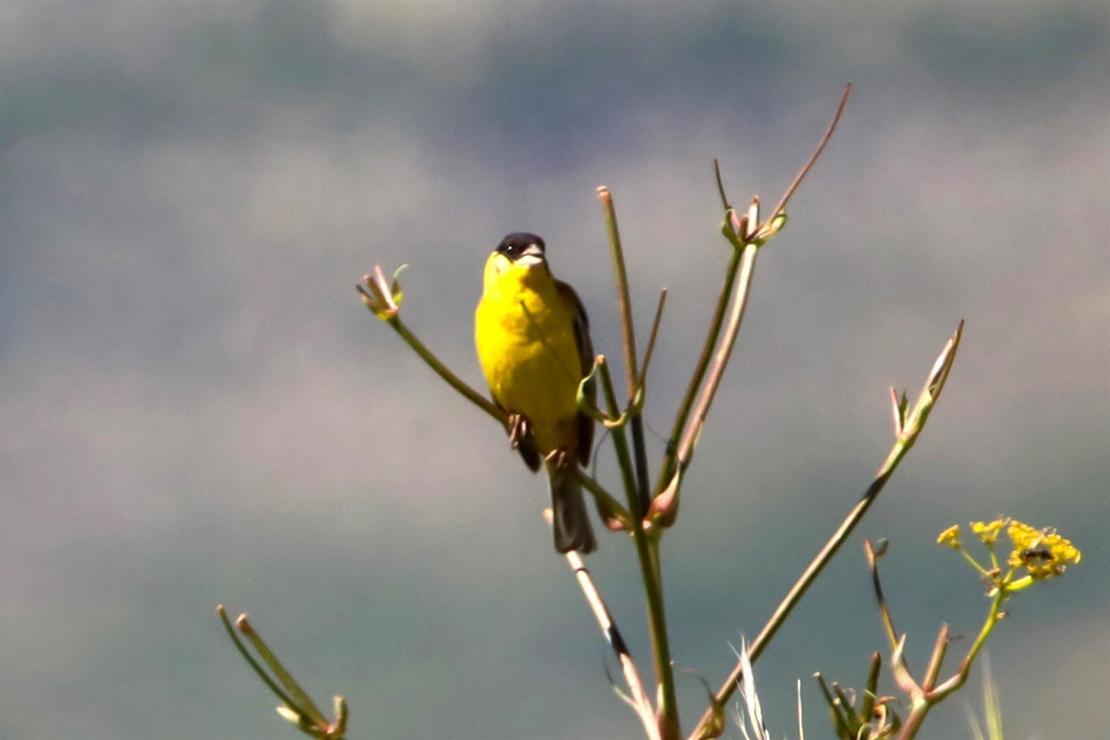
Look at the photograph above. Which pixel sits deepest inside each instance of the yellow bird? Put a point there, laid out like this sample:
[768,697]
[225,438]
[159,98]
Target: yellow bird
[533,343]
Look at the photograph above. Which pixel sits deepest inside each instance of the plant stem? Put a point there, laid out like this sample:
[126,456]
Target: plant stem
[668,467]
[720,358]
[915,424]
[922,705]
[444,372]
[274,688]
[940,647]
[628,343]
[606,498]
[975,563]
[657,620]
[957,681]
[620,441]
[786,196]
[305,705]
[638,698]
[809,575]
[877,585]
[674,457]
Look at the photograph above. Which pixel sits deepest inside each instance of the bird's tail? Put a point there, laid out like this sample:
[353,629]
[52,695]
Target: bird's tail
[571,521]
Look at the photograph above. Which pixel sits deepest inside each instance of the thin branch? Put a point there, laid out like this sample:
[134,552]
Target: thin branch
[794,595]
[683,414]
[624,303]
[721,185]
[877,586]
[720,358]
[940,647]
[835,708]
[306,705]
[901,672]
[867,702]
[649,353]
[640,495]
[444,372]
[801,724]
[605,500]
[620,441]
[956,681]
[675,461]
[846,702]
[671,482]
[639,698]
[262,674]
[636,401]
[786,196]
[934,384]
[628,343]
[657,623]
[620,648]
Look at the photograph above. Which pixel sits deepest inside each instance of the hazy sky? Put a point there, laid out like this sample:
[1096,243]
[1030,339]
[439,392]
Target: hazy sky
[197,409]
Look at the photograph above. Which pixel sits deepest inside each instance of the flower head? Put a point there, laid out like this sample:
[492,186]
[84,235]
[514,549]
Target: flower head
[988,531]
[950,537]
[382,297]
[1041,552]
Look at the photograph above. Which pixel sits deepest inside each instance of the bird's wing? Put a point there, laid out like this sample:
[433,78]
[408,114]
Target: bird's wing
[586,361]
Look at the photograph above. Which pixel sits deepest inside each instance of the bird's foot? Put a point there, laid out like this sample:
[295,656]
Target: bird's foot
[558,459]
[519,427]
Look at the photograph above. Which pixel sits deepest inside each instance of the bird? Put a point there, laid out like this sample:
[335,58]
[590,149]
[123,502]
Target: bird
[533,342]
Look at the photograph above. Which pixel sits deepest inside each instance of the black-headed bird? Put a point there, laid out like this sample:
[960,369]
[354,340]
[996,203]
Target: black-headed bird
[533,343]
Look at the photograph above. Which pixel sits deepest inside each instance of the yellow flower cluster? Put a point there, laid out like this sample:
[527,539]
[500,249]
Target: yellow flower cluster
[950,537]
[988,531]
[1042,552]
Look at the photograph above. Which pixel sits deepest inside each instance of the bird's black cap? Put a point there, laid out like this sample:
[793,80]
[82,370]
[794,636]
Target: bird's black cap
[515,243]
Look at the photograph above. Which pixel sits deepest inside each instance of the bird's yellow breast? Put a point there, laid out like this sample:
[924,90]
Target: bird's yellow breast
[524,333]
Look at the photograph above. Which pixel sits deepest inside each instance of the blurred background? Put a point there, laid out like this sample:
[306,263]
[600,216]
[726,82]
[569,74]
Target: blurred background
[197,408]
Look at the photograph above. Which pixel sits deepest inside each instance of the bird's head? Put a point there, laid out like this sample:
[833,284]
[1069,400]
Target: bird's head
[524,249]
[521,253]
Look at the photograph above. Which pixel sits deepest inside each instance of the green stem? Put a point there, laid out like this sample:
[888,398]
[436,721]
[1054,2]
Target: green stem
[869,692]
[305,706]
[628,344]
[922,705]
[975,563]
[994,556]
[668,465]
[277,691]
[620,441]
[989,623]
[809,575]
[928,397]
[444,372]
[690,436]
[721,357]
[639,450]
[673,454]
[657,621]
[936,660]
[610,503]
[877,585]
[981,638]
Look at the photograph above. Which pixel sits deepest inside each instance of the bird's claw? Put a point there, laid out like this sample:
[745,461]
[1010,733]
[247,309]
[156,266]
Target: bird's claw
[558,459]
[518,429]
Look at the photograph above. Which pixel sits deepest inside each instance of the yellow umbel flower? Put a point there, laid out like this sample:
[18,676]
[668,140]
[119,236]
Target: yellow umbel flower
[988,531]
[1042,552]
[950,537]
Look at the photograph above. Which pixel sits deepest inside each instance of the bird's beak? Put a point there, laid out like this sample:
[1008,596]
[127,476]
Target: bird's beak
[531,256]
